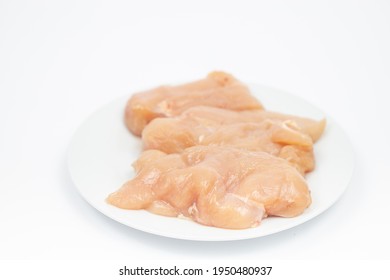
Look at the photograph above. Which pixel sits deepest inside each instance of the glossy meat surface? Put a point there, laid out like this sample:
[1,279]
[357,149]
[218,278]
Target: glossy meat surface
[218,89]
[215,186]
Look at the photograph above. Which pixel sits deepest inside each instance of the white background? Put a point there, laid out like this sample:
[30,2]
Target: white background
[62,60]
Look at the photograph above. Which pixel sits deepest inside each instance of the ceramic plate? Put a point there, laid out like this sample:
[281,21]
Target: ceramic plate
[102,150]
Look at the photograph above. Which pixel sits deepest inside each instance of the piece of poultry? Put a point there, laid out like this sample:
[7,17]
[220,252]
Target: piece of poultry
[216,186]
[285,136]
[218,89]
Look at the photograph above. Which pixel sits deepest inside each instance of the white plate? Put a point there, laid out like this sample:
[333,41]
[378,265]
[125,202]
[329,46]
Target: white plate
[102,150]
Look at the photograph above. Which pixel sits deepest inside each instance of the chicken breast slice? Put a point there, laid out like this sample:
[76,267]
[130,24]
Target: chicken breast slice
[215,186]
[212,126]
[218,89]
[211,116]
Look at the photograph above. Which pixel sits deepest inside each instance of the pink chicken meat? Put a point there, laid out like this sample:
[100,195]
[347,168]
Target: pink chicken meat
[218,89]
[212,154]
[216,186]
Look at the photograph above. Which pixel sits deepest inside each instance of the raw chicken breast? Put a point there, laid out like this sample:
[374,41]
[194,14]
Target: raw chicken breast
[215,186]
[218,89]
[206,115]
[212,126]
